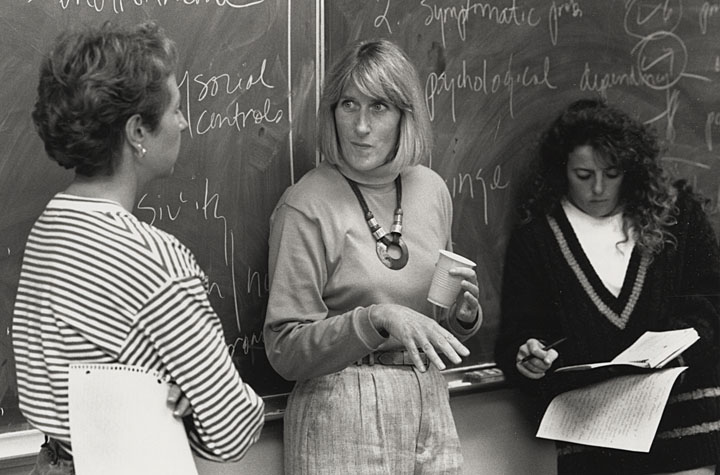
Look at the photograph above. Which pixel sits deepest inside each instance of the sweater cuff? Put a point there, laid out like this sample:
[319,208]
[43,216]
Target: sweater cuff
[462,328]
[367,332]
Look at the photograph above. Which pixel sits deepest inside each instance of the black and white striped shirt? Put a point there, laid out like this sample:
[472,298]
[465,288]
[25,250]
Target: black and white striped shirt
[99,286]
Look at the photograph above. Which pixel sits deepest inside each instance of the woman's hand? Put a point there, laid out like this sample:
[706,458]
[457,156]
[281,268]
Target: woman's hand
[467,305]
[539,362]
[177,401]
[418,332]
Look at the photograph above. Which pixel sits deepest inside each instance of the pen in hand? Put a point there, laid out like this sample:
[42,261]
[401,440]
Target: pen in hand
[545,348]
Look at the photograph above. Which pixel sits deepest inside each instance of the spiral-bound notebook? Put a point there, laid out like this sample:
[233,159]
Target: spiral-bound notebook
[120,423]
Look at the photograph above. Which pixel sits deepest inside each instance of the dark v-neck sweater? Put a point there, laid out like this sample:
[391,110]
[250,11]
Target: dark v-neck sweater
[551,290]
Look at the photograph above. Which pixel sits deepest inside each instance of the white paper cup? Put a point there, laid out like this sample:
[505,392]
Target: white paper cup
[444,288]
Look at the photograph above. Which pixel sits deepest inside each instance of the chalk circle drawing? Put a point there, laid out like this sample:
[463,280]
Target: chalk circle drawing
[662,59]
[647,17]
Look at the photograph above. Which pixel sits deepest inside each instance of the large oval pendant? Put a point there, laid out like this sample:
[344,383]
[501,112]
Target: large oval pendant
[393,254]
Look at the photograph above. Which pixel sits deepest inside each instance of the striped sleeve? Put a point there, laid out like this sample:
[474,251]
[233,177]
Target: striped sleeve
[227,415]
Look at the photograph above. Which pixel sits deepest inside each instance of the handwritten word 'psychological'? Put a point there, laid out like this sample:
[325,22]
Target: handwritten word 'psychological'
[438,84]
[118,6]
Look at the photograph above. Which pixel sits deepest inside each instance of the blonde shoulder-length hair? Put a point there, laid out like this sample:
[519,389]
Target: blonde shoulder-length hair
[381,70]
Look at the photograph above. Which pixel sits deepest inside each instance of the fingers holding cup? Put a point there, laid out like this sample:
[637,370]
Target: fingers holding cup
[451,271]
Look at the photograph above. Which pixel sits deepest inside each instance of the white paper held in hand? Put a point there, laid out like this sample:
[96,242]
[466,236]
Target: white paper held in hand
[120,423]
[653,350]
[619,413]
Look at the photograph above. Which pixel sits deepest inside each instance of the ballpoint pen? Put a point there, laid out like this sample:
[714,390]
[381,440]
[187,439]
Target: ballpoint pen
[545,348]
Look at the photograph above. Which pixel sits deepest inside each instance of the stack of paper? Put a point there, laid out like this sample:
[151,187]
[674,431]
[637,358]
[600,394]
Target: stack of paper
[622,412]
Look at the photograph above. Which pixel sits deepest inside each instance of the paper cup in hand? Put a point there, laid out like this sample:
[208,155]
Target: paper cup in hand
[444,288]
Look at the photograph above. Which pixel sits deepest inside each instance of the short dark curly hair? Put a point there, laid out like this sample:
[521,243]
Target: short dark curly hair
[91,82]
[646,193]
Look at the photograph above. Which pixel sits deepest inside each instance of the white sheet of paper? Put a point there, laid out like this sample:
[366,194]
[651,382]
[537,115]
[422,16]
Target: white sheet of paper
[120,424]
[620,413]
[657,348]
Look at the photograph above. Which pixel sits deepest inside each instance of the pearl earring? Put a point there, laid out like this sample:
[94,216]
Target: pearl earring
[142,149]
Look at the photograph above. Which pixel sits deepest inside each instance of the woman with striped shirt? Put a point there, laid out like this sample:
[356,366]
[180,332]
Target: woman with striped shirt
[96,284]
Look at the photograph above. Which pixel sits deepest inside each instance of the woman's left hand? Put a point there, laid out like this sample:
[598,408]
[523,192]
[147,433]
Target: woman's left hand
[467,305]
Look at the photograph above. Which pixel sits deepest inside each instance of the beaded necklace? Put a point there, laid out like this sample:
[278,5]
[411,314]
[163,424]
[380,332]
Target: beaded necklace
[390,247]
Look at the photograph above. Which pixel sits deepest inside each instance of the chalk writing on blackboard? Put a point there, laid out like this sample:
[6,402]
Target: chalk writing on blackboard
[478,185]
[231,115]
[118,6]
[711,124]
[558,12]
[462,14]
[247,88]
[246,343]
[258,282]
[497,72]
[438,84]
[381,20]
[707,11]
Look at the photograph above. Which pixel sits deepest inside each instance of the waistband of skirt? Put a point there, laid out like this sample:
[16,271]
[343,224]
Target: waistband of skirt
[391,358]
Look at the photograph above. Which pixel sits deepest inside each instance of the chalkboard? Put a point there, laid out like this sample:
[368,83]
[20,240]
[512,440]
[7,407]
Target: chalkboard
[248,83]
[497,72]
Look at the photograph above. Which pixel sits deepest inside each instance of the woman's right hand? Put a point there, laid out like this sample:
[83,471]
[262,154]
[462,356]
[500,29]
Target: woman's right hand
[418,332]
[539,362]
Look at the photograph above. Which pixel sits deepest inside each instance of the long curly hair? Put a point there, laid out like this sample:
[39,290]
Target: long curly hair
[91,82]
[647,195]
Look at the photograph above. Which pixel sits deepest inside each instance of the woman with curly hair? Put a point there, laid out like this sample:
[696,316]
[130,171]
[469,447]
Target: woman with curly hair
[609,248]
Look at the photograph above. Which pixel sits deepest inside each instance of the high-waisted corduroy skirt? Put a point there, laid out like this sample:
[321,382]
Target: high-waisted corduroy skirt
[380,420]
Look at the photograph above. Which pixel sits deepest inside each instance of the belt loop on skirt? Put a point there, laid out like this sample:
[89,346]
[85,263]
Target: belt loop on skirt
[367,359]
